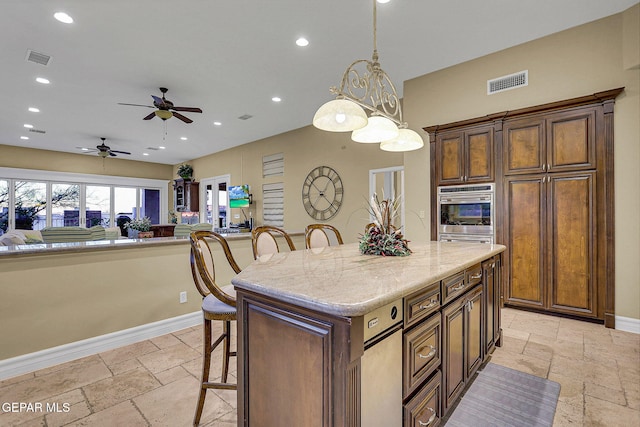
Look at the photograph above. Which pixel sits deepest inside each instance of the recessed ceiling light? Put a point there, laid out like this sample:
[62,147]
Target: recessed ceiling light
[217,123]
[24,137]
[34,109]
[302,42]
[63,17]
[161,147]
[184,138]
[42,80]
[84,149]
[145,154]
[276,99]
[383,1]
[28,126]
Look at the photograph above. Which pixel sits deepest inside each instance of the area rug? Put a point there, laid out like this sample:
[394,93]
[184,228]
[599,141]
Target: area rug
[500,396]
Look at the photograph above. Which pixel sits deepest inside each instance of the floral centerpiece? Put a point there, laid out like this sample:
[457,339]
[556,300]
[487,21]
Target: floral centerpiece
[139,228]
[381,237]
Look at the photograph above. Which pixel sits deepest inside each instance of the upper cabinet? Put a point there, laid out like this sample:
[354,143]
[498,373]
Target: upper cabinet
[186,195]
[560,142]
[465,156]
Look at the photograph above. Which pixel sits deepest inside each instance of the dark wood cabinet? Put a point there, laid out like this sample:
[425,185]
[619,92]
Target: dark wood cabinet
[491,287]
[554,174]
[462,332]
[186,196]
[465,156]
[557,142]
[551,241]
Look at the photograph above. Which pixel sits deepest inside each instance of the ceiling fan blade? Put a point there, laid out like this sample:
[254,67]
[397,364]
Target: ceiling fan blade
[136,105]
[189,109]
[183,118]
[150,116]
[112,154]
[120,152]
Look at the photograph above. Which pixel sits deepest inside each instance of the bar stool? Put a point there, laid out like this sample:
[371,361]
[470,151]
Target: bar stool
[218,304]
[263,240]
[321,235]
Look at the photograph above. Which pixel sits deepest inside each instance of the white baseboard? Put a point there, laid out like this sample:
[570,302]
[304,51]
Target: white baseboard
[628,324]
[53,356]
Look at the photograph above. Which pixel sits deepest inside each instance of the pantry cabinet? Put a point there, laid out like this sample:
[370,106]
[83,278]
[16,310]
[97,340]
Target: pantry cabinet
[554,178]
[186,195]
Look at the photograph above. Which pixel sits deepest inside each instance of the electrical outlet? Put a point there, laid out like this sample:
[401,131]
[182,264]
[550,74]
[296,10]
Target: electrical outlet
[183,297]
[236,216]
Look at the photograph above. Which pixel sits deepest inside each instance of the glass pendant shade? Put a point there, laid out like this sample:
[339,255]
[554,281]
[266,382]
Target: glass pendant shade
[407,140]
[377,129]
[340,115]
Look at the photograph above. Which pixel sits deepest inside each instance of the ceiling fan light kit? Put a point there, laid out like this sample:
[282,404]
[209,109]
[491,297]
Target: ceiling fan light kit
[166,109]
[366,85]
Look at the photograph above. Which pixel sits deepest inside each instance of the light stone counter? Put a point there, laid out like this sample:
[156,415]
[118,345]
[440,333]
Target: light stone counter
[339,281]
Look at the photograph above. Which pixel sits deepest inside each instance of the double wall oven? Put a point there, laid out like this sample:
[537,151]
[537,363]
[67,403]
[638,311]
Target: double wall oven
[466,213]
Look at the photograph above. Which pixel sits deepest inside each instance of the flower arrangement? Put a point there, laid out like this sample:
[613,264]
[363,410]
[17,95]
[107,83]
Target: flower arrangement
[381,237]
[140,224]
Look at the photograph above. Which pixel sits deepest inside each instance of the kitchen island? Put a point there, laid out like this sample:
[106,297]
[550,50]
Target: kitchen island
[330,337]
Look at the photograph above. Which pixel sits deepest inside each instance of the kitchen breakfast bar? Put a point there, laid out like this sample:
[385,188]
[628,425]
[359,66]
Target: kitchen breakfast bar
[330,337]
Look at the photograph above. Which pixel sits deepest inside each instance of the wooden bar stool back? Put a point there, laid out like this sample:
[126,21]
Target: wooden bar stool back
[218,304]
[263,240]
[321,235]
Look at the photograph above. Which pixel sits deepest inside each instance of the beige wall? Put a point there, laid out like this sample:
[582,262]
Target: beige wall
[581,61]
[29,158]
[304,149]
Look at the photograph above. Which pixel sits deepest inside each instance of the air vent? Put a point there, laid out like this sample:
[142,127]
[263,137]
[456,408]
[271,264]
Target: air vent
[512,81]
[152,148]
[37,131]
[245,117]
[38,58]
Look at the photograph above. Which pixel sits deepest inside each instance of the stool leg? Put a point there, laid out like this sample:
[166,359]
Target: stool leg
[206,365]
[226,350]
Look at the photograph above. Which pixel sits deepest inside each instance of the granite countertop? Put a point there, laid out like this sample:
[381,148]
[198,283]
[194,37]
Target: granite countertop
[339,281]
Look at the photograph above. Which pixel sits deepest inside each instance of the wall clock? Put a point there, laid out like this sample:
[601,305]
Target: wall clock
[322,193]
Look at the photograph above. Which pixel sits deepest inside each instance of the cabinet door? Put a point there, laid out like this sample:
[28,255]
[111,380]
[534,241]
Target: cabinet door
[571,141]
[572,230]
[453,363]
[524,146]
[450,158]
[525,222]
[479,155]
[474,331]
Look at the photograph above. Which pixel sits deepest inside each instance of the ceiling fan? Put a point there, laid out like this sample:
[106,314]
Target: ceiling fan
[166,109]
[104,150]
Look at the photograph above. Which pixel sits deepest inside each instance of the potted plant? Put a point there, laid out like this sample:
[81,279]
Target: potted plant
[185,171]
[139,228]
[381,237]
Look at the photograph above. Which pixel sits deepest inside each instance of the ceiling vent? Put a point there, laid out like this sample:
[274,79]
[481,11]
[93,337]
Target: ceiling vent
[152,148]
[37,131]
[38,58]
[512,81]
[245,117]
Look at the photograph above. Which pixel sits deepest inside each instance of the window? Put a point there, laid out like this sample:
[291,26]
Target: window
[31,199]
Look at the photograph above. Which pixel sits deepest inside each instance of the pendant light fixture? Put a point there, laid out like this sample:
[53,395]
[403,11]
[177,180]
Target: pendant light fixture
[365,85]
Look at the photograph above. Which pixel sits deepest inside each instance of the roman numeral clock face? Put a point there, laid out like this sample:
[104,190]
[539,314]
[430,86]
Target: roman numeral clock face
[322,193]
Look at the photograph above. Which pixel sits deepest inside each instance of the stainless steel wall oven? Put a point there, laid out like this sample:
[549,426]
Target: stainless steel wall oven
[466,213]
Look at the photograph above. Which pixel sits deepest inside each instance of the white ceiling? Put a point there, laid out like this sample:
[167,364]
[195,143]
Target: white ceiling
[230,58]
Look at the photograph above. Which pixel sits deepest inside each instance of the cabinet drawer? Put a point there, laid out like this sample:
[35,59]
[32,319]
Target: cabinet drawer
[421,304]
[453,286]
[473,275]
[422,353]
[424,409]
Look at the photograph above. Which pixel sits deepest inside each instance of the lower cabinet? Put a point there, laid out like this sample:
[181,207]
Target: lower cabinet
[425,408]
[463,345]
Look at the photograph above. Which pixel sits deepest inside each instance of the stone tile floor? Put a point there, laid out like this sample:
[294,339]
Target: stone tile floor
[155,382]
